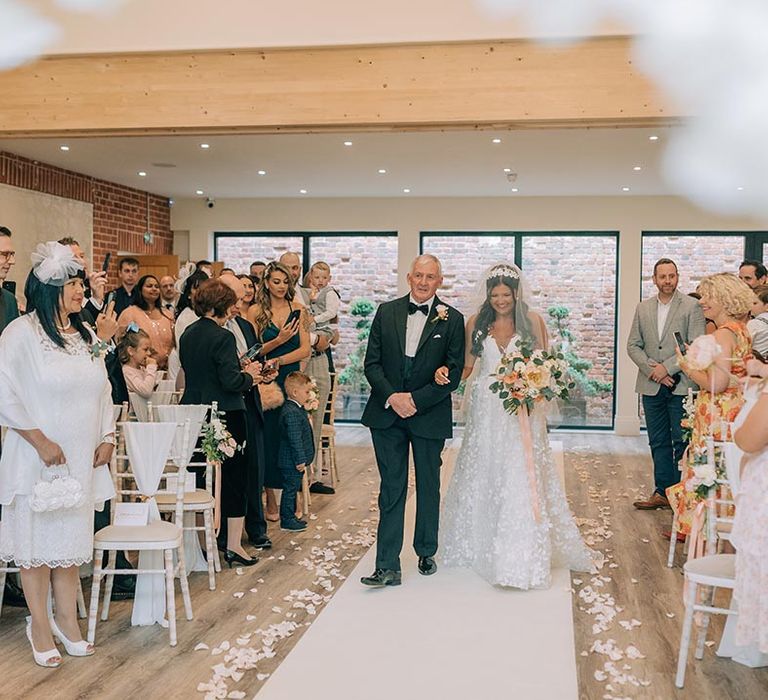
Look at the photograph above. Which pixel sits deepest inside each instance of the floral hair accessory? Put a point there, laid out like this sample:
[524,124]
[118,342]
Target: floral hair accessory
[502,271]
[54,263]
[132,327]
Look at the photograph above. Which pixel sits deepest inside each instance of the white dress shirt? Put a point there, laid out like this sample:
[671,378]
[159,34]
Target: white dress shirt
[661,316]
[415,326]
[232,326]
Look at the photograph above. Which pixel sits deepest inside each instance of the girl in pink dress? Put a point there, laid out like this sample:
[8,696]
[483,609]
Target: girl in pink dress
[139,369]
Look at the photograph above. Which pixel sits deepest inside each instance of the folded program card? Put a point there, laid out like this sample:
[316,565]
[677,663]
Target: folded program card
[132,514]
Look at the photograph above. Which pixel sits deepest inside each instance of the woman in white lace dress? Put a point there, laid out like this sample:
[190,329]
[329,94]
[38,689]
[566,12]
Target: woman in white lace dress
[750,527]
[488,520]
[55,399]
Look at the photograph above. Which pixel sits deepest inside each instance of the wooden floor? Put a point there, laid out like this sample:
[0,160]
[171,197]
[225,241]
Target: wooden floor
[604,473]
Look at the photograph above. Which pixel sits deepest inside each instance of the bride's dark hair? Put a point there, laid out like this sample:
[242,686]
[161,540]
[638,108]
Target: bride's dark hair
[486,315]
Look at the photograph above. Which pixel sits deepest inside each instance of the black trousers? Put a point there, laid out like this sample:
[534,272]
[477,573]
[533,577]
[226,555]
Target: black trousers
[234,469]
[392,447]
[663,414]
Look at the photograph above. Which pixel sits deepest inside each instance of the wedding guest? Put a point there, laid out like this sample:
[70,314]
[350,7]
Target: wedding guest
[245,338]
[751,522]
[226,271]
[95,283]
[726,300]
[9,309]
[248,296]
[757,326]
[169,297]
[209,358]
[753,273]
[186,316]
[55,398]
[710,326]
[297,448]
[281,325]
[651,346]
[205,266]
[323,299]
[147,313]
[292,262]
[127,293]
[139,368]
[257,269]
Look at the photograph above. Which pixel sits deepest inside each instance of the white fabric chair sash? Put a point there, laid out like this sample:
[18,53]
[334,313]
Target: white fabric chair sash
[166,385]
[162,398]
[140,406]
[148,446]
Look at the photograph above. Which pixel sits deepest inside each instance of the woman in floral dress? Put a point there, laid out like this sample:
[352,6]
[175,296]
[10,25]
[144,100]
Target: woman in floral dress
[726,300]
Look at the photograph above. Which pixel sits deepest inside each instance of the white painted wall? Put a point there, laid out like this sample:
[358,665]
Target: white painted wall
[628,215]
[34,218]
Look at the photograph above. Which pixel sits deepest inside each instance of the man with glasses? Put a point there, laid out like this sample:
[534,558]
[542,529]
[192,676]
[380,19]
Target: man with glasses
[9,309]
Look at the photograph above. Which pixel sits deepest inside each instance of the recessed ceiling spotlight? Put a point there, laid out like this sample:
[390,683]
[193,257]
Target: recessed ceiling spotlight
[653,138]
[141,173]
[261,172]
[406,190]
[496,140]
[382,171]
[302,191]
[637,168]
[347,143]
[515,189]
[507,170]
[740,189]
[199,192]
[63,147]
[205,145]
[625,189]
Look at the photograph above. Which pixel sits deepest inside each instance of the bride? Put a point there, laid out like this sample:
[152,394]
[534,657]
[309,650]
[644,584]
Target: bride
[492,522]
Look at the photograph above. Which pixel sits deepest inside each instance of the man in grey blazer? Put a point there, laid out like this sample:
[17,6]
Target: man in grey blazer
[651,346]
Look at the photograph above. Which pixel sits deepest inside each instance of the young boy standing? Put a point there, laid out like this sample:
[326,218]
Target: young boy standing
[297,447]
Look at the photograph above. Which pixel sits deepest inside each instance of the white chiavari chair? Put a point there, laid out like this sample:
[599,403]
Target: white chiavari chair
[327,454]
[153,441]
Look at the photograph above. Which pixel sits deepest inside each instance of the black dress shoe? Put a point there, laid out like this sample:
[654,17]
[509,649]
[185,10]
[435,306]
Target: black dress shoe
[262,542]
[13,595]
[427,566]
[234,558]
[320,487]
[382,577]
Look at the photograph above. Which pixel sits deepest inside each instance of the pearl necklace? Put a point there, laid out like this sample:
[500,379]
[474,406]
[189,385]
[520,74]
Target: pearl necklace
[65,327]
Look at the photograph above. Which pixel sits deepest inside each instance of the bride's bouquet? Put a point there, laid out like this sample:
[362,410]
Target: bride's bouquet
[527,375]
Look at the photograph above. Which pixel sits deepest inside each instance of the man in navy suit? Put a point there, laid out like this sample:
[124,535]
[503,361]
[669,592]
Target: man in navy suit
[410,338]
[297,447]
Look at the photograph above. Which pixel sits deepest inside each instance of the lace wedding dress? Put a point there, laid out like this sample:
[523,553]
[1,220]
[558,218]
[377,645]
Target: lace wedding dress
[487,522]
[65,393]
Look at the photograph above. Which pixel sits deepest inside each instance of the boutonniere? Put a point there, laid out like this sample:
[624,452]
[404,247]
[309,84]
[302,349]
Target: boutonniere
[100,348]
[441,311]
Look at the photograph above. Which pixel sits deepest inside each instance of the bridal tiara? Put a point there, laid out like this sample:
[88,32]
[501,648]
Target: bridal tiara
[502,271]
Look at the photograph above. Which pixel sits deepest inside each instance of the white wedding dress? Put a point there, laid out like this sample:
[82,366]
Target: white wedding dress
[487,521]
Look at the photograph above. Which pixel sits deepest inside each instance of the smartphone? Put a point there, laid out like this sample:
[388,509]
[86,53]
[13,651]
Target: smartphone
[293,316]
[250,353]
[105,264]
[268,367]
[680,343]
[759,356]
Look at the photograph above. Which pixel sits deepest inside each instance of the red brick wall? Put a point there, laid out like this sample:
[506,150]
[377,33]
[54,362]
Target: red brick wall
[119,212]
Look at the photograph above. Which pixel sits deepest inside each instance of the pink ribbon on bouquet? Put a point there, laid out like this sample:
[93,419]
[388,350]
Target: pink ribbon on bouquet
[527,437]
[217,498]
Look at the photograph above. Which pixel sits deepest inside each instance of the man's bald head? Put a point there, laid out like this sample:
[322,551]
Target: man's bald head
[293,262]
[234,284]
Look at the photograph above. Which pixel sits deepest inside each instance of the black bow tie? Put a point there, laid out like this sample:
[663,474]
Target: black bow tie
[413,308]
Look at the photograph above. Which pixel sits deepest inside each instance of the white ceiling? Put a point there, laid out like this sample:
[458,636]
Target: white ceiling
[552,162]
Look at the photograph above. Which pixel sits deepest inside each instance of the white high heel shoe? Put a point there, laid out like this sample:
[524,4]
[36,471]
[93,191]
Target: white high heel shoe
[42,658]
[81,648]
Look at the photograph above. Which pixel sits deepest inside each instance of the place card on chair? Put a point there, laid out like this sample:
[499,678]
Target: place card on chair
[131,514]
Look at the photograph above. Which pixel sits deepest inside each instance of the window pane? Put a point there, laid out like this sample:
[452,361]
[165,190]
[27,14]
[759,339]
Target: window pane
[238,252]
[363,269]
[464,259]
[695,256]
[580,279]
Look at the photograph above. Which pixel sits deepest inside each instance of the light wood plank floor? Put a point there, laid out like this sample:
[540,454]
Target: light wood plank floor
[604,473]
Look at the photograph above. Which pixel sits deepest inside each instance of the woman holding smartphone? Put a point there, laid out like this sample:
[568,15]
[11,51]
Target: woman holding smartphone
[281,325]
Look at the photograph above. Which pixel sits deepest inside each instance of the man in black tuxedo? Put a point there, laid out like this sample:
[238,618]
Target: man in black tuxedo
[410,338]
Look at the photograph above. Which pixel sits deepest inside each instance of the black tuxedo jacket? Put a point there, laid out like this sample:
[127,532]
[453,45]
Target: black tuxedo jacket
[441,343]
[252,396]
[208,355]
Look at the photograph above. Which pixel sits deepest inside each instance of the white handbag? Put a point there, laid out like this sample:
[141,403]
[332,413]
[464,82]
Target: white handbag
[56,489]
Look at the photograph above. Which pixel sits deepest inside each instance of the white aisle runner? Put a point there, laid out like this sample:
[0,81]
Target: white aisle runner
[445,636]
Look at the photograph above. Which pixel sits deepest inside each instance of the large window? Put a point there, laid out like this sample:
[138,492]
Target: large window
[573,285]
[364,273]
